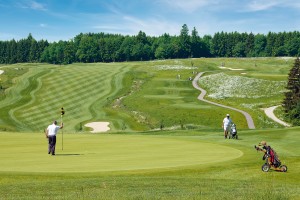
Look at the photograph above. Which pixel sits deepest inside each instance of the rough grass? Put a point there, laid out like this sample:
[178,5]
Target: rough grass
[249,94]
[222,86]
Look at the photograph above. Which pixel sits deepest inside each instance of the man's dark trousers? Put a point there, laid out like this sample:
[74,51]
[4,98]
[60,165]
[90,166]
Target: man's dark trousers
[52,143]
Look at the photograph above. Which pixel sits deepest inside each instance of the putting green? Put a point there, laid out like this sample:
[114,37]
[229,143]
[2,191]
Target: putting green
[94,152]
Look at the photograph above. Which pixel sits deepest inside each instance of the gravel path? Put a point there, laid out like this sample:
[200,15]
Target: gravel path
[270,113]
[201,98]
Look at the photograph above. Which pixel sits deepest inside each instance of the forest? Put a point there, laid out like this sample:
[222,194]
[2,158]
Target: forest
[105,47]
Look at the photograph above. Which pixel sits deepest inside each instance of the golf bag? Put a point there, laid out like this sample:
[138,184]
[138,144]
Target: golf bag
[233,132]
[271,159]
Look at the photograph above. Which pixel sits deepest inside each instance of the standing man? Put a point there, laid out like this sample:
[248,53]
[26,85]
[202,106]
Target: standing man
[226,125]
[51,132]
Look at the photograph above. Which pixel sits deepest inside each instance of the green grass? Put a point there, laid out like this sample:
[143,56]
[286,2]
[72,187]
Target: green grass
[138,96]
[97,153]
[158,165]
[37,97]
[188,159]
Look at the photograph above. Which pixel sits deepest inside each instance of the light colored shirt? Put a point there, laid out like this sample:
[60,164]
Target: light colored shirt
[52,130]
[227,121]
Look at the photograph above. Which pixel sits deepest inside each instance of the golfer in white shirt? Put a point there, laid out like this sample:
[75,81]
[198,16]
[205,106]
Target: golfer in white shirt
[226,125]
[51,132]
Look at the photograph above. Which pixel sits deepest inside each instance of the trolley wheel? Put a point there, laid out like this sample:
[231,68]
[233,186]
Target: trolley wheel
[265,167]
[283,168]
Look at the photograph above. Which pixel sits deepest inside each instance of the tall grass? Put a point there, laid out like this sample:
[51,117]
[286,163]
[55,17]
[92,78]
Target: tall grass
[223,86]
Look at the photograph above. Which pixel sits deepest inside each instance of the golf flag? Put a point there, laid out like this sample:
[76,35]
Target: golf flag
[62,111]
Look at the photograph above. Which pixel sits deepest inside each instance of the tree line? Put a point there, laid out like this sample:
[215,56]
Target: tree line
[103,47]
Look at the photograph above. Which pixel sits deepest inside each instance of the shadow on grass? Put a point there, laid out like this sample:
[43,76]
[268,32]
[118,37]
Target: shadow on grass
[68,154]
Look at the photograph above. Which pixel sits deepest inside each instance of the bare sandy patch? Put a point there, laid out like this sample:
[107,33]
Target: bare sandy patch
[1,71]
[98,127]
[233,69]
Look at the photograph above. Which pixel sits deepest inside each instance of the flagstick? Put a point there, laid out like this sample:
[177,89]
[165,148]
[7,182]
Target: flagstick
[62,135]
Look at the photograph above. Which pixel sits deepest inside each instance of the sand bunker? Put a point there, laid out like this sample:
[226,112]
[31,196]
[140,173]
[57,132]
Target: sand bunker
[98,126]
[233,69]
[1,71]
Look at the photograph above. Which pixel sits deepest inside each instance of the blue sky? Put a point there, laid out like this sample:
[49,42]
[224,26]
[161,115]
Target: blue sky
[55,20]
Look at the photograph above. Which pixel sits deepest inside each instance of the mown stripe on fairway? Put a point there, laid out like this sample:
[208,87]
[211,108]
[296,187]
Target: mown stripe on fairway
[92,153]
[163,97]
[20,94]
[75,87]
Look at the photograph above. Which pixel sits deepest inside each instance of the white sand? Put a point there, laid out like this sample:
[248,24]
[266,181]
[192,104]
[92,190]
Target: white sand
[233,69]
[1,71]
[98,126]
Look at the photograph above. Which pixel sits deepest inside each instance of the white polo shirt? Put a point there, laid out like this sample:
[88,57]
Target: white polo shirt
[52,130]
[227,121]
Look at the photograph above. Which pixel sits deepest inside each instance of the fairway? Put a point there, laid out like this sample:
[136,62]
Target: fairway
[163,142]
[139,96]
[92,153]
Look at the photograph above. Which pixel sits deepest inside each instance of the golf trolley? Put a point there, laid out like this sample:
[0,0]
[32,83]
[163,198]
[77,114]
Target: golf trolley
[271,160]
[233,132]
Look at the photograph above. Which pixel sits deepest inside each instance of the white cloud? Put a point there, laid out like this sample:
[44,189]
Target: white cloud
[129,25]
[43,25]
[260,5]
[106,27]
[36,6]
[153,27]
[189,5]
[32,5]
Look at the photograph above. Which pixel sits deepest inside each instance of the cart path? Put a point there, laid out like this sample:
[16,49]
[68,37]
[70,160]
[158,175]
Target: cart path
[270,113]
[201,98]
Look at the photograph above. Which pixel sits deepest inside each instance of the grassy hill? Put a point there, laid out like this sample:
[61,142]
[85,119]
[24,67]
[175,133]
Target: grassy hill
[141,95]
[163,143]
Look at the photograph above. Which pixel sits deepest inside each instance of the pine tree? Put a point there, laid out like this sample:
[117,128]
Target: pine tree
[291,103]
[184,42]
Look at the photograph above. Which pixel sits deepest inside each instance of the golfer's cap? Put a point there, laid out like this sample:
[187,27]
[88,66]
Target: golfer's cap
[227,115]
[263,143]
